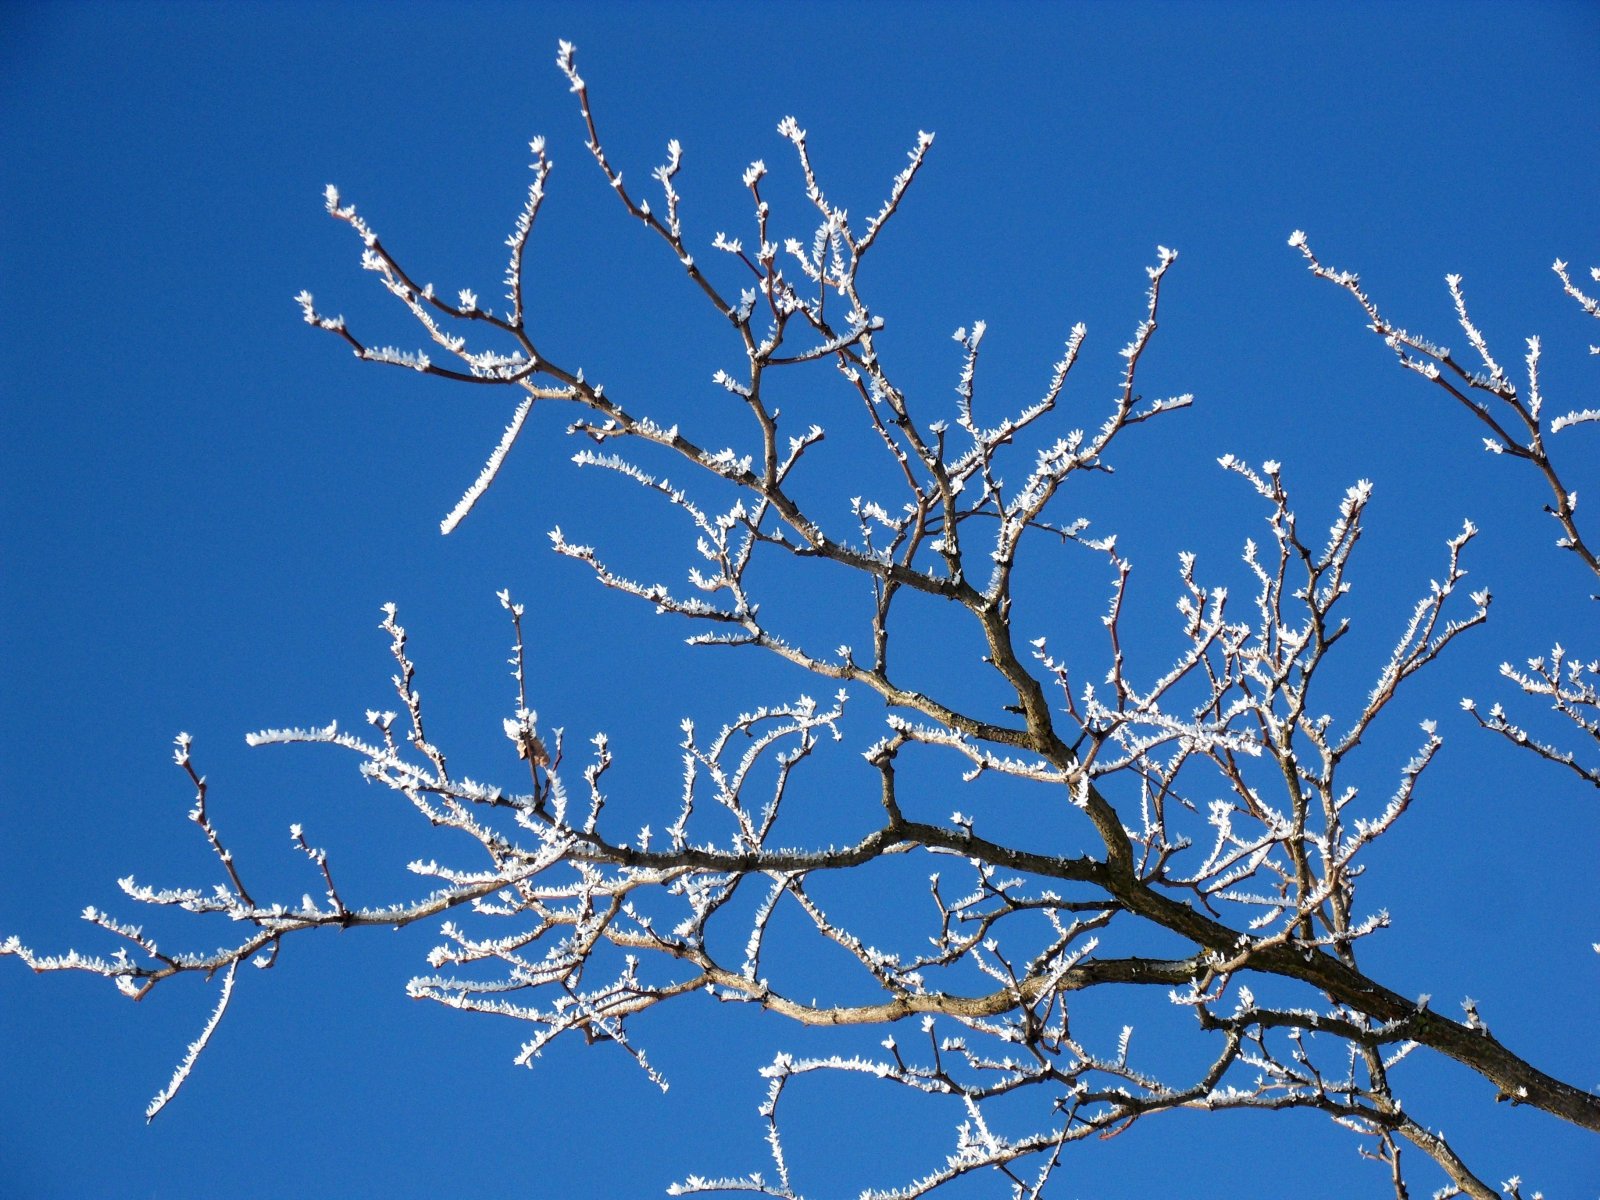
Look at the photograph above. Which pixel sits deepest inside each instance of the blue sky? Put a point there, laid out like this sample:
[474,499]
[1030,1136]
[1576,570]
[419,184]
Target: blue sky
[206,502]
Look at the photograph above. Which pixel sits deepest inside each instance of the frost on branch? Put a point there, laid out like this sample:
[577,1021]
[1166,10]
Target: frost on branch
[1569,687]
[1222,795]
[490,469]
[1517,428]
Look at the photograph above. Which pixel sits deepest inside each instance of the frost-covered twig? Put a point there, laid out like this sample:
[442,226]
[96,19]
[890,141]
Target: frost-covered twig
[1516,423]
[1215,827]
[1519,428]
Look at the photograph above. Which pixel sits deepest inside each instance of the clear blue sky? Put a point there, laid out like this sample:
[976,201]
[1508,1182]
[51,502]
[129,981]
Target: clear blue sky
[205,502]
